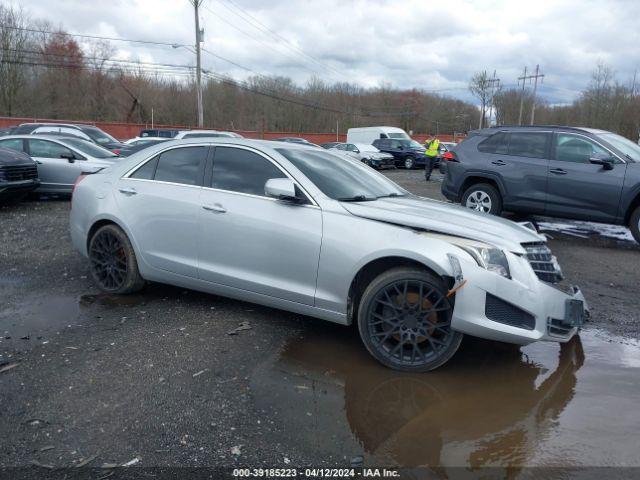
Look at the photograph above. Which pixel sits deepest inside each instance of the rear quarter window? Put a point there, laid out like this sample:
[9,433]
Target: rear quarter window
[496,143]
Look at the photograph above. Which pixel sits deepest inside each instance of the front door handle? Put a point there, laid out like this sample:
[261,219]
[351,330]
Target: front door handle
[128,191]
[499,162]
[217,208]
[558,171]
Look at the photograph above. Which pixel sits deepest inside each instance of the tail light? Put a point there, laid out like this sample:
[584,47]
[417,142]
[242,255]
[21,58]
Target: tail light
[81,177]
[450,157]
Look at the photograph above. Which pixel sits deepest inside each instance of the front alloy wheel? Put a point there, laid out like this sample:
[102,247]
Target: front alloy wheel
[404,321]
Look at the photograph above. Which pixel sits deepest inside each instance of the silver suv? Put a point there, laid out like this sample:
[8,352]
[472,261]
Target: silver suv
[568,172]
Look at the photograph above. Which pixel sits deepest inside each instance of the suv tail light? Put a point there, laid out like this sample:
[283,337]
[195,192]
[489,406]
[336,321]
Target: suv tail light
[450,157]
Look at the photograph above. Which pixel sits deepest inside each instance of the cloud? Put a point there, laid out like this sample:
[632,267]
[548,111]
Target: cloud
[435,45]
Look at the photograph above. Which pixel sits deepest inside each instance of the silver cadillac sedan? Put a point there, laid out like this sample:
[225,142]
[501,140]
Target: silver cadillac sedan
[300,229]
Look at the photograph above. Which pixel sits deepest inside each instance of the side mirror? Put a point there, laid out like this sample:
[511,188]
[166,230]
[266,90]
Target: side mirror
[69,156]
[356,151]
[603,159]
[282,189]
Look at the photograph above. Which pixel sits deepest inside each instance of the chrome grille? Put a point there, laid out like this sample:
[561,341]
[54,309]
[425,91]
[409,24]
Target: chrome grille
[544,264]
[16,173]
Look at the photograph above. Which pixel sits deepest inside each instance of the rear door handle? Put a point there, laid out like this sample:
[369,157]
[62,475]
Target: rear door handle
[499,162]
[128,191]
[217,208]
[558,171]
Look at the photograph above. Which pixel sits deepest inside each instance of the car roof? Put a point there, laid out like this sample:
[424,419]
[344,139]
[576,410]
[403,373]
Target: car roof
[497,128]
[55,124]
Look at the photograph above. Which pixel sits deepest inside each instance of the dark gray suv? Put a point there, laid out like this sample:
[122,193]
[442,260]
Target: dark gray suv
[568,172]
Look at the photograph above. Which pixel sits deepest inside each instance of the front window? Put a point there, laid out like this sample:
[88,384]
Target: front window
[342,179]
[410,144]
[88,148]
[99,136]
[242,171]
[577,149]
[47,149]
[626,146]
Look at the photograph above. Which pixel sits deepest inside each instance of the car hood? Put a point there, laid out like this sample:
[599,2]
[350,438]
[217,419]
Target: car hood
[448,219]
[10,157]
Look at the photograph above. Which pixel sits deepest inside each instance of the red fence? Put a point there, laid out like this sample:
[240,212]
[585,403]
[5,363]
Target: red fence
[124,131]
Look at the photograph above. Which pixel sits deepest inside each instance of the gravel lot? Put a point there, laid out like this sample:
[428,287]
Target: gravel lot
[158,377]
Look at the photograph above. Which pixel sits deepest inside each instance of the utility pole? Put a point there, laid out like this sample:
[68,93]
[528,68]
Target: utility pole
[523,78]
[199,34]
[535,87]
[495,85]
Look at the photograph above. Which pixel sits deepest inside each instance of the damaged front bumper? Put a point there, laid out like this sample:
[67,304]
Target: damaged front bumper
[521,309]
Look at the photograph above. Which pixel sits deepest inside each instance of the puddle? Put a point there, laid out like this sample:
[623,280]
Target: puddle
[54,313]
[493,405]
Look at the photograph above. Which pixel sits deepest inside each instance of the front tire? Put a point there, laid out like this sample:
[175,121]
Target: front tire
[114,267]
[404,320]
[408,163]
[634,224]
[483,197]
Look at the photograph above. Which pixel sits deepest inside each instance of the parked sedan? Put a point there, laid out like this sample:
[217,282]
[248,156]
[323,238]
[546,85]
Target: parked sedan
[60,160]
[303,230]
[367,154]
[18,175]
[90,133]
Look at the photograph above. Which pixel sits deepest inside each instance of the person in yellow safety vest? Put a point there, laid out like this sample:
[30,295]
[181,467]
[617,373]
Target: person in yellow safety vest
[433,150]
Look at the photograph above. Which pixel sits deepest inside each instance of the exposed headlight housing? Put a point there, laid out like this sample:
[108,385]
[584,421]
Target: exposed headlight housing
[491,258]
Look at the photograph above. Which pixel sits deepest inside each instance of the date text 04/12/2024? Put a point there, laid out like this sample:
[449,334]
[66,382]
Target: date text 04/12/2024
[315,472]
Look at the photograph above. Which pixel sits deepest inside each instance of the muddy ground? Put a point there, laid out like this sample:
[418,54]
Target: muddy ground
[161,379]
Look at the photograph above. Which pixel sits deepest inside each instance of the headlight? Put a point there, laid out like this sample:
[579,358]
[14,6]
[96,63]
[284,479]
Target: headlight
[491,258]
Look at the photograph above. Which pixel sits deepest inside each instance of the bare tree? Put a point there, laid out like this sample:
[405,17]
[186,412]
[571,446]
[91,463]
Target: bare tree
[480,87]
[13,44]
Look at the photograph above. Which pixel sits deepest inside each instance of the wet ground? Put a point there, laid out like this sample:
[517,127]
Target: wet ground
[166,378]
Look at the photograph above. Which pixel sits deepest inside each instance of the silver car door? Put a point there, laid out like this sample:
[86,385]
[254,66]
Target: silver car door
[160,203]
[56,169]
[250,241]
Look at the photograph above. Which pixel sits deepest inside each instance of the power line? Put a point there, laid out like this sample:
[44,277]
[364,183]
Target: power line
[257,24]
[258,40]
[93,37]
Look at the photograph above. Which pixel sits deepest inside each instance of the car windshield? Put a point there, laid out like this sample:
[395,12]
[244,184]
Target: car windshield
[397,135]
[411,144]
[340,178]
[89,148]
[626,146]
[99,136]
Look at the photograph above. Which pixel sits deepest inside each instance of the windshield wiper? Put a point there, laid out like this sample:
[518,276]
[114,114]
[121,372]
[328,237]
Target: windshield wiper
[357,198]
[393,194]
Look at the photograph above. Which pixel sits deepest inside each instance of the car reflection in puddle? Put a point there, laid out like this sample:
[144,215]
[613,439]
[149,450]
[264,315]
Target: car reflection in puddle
[493,405]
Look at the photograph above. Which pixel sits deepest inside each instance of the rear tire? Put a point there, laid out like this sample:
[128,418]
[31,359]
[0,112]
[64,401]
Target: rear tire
[483,197]
[114,267]
[634,224]
[404,320]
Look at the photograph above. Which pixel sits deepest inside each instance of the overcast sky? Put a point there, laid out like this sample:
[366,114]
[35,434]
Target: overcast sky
[428,44]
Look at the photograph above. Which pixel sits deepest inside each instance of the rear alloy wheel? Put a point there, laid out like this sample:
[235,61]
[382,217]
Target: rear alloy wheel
[634,224]
[404,320]
[114,267]
[483,197]
[408,163]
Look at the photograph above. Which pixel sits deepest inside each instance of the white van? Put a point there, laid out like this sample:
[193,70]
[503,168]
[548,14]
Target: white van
[369,134]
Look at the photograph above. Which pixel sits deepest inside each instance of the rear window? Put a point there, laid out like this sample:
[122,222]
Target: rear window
[532,145]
